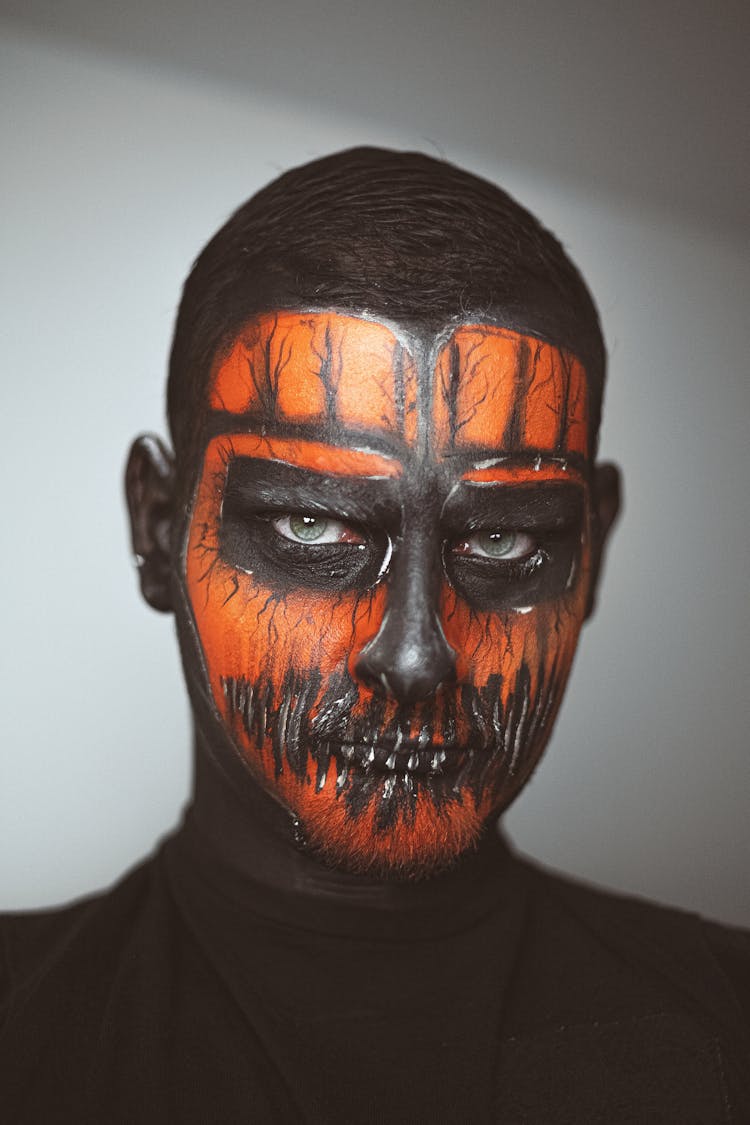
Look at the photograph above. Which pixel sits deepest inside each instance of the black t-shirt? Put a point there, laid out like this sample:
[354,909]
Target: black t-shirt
[188,995]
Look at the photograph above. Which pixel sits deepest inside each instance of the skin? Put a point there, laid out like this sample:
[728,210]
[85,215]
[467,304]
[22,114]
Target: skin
[392,543]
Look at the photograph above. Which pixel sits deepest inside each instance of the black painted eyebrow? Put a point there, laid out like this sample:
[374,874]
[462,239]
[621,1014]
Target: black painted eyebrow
[265,485]
[544,505]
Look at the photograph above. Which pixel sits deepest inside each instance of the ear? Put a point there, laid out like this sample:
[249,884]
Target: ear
[150,495]
[605,500]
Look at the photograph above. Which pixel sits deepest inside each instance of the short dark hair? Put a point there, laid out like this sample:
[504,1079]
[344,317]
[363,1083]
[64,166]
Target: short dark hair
[400,235]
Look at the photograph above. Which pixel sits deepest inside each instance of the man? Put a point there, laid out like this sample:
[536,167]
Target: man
[380,533]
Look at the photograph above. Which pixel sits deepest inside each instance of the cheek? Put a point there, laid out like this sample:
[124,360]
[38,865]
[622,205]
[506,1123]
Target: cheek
[250,632]
[489,644]
[517,662]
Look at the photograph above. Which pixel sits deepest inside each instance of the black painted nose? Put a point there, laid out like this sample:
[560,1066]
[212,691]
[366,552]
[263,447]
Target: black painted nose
[409,657]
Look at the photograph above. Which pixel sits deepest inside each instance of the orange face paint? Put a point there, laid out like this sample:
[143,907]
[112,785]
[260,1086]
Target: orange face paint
[322,369]
[471,535]
[499,390]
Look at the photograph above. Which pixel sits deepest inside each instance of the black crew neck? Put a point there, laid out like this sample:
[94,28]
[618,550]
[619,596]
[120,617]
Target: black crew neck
[379,1006]
[347,907]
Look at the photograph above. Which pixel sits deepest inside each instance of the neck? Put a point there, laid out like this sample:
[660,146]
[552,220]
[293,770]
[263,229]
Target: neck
[242,828]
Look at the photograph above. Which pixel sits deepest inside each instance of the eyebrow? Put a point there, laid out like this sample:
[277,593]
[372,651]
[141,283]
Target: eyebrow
[259,483]
[541,504]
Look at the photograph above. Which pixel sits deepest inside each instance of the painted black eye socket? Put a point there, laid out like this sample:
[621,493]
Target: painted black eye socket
[295,529]
[291,551]
[528,568]
[521,546]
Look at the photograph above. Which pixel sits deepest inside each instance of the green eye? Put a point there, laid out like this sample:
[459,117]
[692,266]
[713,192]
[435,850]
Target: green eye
[308,528]
[302,528]
[497,545]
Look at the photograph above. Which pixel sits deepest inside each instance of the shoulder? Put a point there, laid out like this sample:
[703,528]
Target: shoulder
[74,942]
[620,1002]
[667,927]
[28,940]
[675,945]
[730,946]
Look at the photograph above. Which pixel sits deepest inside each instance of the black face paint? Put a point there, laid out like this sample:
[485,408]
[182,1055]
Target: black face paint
[258,493]
[550,516]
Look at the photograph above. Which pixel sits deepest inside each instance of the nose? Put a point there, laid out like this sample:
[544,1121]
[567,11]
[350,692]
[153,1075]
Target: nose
[409,657]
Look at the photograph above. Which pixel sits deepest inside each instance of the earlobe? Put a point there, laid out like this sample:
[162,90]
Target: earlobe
[149,491]
[605,504]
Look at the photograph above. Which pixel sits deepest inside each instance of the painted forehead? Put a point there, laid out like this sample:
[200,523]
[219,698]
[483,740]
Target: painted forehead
[484,389]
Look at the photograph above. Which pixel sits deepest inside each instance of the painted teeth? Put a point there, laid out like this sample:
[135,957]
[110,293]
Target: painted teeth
[324,761]
[419,760]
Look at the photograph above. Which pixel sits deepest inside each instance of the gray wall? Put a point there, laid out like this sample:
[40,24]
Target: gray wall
[126,144]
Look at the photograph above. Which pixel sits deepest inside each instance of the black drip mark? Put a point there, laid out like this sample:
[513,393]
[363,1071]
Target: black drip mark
[273,372]
[329,373]
[235,581]
[516,424]
[331,721]
[266,381]
[566,363]
[472,371]
[208,553]
[398,800]
[249,705]
[461,369]
[517,717]
[206,548]
[301,696]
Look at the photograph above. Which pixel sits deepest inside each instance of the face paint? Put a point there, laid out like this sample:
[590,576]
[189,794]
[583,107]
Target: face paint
[387,568]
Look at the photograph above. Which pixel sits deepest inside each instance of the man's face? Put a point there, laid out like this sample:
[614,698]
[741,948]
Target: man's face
[387,564]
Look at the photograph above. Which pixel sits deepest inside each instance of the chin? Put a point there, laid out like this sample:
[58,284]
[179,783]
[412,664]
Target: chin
[407,837]
[393,825]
